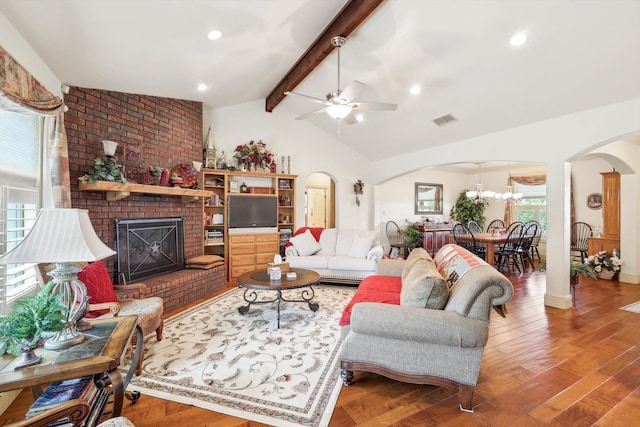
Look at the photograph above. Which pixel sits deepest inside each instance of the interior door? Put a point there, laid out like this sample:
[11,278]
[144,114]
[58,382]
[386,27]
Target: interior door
[316,212]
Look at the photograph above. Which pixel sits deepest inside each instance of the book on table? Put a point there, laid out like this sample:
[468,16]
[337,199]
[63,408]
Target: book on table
[63,391]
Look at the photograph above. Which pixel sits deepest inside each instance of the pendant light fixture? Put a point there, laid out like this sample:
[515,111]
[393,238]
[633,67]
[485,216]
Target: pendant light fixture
[509,196]
[480,195]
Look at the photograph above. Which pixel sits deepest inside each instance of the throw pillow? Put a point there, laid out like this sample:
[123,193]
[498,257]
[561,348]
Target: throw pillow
[424,287]
[328,240]
[360,247]
[344,242]
[96,278]
[305,244]
[416,255]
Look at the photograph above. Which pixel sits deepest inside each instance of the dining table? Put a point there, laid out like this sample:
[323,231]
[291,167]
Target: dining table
[490,240]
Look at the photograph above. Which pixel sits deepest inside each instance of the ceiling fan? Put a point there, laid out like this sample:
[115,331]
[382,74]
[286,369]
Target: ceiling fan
[341,104]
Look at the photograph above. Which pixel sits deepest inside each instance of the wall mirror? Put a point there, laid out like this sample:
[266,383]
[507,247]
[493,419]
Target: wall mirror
[428,199]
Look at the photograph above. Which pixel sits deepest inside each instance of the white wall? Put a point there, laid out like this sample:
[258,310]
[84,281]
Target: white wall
[586,180]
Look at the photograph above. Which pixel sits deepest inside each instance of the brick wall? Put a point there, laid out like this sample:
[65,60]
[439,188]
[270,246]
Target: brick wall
[154,131]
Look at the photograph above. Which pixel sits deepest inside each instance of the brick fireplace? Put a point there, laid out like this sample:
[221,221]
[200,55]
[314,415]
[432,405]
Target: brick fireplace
[159,132]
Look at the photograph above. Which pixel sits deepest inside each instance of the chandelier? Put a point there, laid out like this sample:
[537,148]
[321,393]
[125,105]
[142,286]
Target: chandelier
[509,196]
[480,195]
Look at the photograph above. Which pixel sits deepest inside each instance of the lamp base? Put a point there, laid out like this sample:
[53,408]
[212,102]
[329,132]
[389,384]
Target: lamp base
[28,358]
[64,339]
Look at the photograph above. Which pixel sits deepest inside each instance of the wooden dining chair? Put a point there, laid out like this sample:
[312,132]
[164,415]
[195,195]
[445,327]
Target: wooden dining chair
[493,224]
[580,233]
[396,239]
[506,255]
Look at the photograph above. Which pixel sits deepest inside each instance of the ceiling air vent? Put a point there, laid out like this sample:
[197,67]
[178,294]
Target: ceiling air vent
[445,120]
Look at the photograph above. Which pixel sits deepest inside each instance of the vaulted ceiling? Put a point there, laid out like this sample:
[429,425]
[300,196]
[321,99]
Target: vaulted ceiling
[580,55]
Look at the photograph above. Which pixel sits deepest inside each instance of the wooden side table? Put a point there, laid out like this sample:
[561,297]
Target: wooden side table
[99,355]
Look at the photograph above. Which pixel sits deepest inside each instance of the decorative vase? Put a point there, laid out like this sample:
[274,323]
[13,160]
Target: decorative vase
[28,358]
[606,274]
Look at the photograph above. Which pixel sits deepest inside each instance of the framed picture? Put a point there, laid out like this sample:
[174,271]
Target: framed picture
[428,199]
[233,187]
[594,201]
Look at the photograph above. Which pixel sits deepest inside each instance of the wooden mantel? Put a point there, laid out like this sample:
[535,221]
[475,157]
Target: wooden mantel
[118,191]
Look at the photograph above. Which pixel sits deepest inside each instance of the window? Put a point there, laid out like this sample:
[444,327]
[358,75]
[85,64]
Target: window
[533,205]
[19,198]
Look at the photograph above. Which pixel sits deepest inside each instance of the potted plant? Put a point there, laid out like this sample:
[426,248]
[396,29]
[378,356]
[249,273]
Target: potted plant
[466,210]
[104,171]
[412,236]
[576,269]
[22,329]
[605,266]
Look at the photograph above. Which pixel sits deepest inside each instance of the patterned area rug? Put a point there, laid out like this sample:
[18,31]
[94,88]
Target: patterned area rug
[215,358]
[635,307]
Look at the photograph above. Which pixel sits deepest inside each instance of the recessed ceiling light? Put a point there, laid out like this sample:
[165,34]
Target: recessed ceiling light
[202,87]
[518,39]
[214,35]
[415,90]
[359,117]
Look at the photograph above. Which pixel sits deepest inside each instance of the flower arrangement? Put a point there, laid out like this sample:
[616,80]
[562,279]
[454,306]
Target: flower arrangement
[602,261]
[255,153]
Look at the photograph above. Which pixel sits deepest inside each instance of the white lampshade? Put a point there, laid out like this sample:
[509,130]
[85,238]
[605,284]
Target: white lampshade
[59,235]
[338,111]
[109,148]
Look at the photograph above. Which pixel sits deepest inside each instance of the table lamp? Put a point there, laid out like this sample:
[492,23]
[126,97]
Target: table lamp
[63,237]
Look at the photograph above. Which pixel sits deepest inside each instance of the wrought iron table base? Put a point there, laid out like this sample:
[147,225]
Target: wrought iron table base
[251,297]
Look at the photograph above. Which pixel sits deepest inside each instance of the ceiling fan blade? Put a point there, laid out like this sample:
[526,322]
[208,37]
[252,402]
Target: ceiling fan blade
[350,119]
[352,91]
[309,98]
[374,106]
[312,113]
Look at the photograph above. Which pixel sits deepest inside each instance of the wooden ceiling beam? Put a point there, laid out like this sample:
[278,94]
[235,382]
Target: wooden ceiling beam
[343,24]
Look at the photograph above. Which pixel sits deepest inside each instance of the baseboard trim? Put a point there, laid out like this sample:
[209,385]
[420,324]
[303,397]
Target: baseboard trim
[629,278]
[558,302]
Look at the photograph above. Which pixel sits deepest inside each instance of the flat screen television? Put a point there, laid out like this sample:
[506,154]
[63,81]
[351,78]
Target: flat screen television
[252,211]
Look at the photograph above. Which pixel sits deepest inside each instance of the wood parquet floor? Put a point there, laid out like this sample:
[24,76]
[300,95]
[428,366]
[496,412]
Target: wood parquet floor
[542,367]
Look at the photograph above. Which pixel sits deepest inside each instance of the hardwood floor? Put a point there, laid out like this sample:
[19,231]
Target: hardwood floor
[542,366]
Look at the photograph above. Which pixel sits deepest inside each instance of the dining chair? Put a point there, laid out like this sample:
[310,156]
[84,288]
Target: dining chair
[524,245]
[493,224]
[580,232]
[463,236]
[396,239]
[506,255]
[474,227]
[535,242]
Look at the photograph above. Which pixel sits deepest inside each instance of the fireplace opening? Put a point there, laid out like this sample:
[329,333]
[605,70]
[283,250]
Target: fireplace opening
[148,247]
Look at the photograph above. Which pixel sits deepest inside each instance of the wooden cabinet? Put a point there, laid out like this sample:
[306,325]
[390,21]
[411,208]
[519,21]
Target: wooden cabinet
[610,239]
[249,252]
[286,203]
[244,252]
[433,238]
[214,215]
[611,205]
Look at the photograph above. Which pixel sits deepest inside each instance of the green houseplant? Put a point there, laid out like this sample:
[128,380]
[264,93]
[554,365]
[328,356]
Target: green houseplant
[104,171]
[412,236]
[22,329]
[466,210]
[576,269]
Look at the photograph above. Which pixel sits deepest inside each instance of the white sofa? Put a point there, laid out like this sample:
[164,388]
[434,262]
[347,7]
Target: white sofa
[339,256]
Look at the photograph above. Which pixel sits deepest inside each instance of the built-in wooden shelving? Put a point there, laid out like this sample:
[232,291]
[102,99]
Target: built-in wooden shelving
[118,191]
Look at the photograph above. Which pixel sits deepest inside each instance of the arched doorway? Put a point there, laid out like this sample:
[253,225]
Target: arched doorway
[319,201]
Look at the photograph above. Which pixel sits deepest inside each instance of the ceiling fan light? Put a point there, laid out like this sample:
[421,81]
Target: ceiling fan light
[338,111]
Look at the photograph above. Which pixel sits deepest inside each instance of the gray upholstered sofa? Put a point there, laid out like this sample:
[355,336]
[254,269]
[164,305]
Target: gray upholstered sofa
[423,320]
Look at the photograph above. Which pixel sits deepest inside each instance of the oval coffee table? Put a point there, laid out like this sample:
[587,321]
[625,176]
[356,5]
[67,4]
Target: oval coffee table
[259,280]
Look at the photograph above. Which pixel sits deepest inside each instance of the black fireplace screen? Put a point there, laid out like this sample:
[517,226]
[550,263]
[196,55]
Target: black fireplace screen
[148,247]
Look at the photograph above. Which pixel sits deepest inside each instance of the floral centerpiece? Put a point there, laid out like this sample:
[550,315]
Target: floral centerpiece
[601,263]
[253,153]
